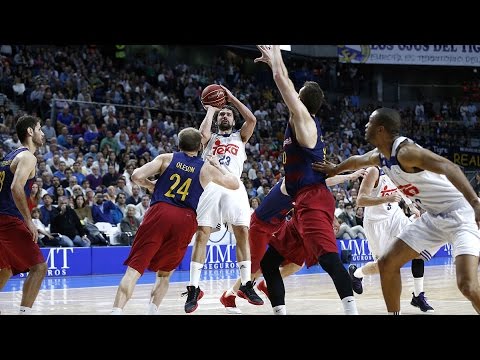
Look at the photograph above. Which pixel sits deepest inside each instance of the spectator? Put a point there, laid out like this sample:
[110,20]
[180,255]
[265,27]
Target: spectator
[47,238]
[254,202]
[359,215]
[135,197]
[129,225]
[49,130]
[47,210]
[120,201]
[102,210]
[94,178]
[66,222]
[110,177]
[83,210]
[13,143]
[142,207]
[34,199]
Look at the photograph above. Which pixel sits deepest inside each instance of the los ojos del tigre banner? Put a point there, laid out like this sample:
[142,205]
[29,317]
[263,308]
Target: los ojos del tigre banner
[450,55]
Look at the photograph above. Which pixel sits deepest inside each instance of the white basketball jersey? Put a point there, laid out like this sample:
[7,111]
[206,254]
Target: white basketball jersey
[383,211]
[230,150]
[432,192]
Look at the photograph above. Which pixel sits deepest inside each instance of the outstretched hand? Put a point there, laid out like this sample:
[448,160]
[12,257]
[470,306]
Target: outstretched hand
[414,210]
[359,173]
[325,167]
[33,229]
[228,93]
[206,107]
[213,160]
[267,54]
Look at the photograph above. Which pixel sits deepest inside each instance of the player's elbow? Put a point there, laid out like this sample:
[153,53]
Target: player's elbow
[17,189]
[233,183]
[361,201]
[454,167]
[136,176]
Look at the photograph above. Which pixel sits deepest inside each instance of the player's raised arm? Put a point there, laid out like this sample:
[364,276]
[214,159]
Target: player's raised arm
[250,120]
[301,119]
[206,125]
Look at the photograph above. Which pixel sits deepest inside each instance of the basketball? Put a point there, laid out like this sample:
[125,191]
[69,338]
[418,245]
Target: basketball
[214,95]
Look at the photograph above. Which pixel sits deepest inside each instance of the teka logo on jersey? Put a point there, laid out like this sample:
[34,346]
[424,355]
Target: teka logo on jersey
[219,149]
[358,247]
[220,257]
[409,189]
[386,191]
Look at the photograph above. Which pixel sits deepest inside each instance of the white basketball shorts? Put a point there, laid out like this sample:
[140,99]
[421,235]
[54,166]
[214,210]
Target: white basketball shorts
[219,205]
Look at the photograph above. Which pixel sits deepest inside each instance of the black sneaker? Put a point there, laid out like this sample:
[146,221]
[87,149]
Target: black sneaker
[420,301]
[356,282]
[193,295]
[246,291]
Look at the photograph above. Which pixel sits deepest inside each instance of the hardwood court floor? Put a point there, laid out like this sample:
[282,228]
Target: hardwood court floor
[312,294]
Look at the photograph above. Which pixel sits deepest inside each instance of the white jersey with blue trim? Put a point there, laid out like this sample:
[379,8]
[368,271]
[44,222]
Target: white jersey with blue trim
[230,150]
[382,211]
[431,191]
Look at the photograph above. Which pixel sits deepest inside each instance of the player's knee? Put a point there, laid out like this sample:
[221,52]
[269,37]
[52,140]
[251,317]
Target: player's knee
[466,287]
[40,269]
[330,262]
[240,232]
[384,264]
[163,274]
[203,234]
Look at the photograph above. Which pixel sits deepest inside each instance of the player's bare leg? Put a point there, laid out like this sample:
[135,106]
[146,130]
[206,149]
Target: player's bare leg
[466,267]
[389,266]
[5,274]
[125,290]
[159,290]
[31,287]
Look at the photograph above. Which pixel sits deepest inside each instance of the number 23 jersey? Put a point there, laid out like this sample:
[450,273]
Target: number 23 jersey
[230,150]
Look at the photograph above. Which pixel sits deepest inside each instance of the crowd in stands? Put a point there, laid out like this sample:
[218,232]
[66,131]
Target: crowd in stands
[102,119]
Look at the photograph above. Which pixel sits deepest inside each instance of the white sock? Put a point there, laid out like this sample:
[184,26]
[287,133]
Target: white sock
[152,309]
[280,310]
[25,310]
[394,313]
[231,292]
[245,271]
[349,305]
[195,272]
[116,311]
[418,285]
[359,273]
